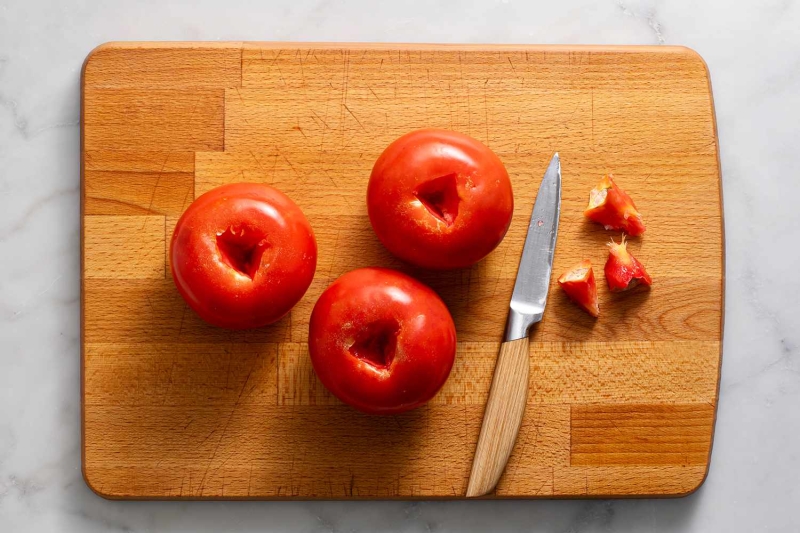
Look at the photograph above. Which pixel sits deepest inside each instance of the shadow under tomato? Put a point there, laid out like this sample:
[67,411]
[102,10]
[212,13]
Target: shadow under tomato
[477,297]
[354,451]
[628,302]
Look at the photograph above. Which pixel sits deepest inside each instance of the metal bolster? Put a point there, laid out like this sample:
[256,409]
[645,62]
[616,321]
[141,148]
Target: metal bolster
[518,324]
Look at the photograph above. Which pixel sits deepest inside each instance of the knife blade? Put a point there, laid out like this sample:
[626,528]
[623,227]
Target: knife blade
[509,391]
[533,277]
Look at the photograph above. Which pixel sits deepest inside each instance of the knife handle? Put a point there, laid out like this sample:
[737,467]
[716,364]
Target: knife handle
[502,418]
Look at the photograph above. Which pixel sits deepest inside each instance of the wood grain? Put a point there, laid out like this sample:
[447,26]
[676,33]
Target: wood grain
[502,419]
[153,119]
[605,435]
[138,182]
[123,247]
[174,408]
[154,65]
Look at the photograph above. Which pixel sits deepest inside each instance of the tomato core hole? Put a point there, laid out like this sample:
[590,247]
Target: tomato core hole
[242,250]
[440,197]
[376,343]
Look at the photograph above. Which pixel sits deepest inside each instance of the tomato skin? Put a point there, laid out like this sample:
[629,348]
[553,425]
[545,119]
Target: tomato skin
[614,208]
[472,196]
[251,226]
[623,271]
[369,313]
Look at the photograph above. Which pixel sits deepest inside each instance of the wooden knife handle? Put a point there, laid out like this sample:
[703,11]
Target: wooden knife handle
[502,418]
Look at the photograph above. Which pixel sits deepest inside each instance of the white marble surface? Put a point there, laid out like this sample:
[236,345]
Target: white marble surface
[754,56]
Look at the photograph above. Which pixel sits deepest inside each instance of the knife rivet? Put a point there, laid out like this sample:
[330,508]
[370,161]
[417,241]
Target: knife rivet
[540,223]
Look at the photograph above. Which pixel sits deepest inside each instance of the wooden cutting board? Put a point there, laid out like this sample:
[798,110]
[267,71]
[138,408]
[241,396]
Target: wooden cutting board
[174,408]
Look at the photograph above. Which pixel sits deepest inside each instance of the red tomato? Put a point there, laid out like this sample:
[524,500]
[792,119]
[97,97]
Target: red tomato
[243,255]
[623,271]
[613,208]
[579,284]
[381,341]
[439,199]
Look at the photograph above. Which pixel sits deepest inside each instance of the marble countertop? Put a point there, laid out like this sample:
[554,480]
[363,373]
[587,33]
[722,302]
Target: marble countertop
[753,53]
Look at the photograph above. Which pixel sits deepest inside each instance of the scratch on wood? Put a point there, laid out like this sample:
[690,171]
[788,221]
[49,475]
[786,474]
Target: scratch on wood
[345,81]
[333,254]
[486,114]
[150,304]
[280,75]
[155,187]
[539,490]
[497,280]
[227,423]
[512,64]
[302,72]
[166,248]
[354,116]
[298,128]
[320,119]
[289,163]
[258,163]
[469,287]
[183,317]
[592,118]
[244,105]
[373,93]
[169,386]
[333,181]
[208,436]
[241,75]
[461,78]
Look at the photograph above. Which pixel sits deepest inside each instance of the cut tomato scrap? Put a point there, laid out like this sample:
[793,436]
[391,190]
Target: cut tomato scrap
[578,282]
[623,271]
[613,208]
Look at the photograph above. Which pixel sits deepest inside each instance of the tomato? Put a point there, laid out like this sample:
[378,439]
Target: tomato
[439,199]
[381,341]
[579,285]
[623,271]
[243,255]
[613,208]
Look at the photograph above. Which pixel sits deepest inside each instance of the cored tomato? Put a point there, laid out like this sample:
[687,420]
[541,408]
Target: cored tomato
[242,255]
[439,199]
[381,341]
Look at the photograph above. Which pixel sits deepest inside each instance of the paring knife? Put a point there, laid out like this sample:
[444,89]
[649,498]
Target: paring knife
[509,392]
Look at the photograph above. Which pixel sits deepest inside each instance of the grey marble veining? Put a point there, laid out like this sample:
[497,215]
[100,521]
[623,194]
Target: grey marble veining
[753,52]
